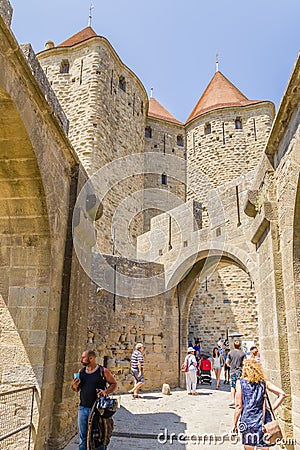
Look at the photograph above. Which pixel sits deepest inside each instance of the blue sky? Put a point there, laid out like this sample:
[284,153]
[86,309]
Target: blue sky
[171,44]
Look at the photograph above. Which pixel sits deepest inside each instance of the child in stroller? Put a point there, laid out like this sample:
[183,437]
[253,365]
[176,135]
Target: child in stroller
[204,371]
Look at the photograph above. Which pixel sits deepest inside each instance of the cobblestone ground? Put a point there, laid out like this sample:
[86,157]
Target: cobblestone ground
[156,421]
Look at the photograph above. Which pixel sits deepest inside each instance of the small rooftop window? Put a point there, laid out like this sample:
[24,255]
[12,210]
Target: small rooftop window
[122,83]
[64,66]
[238,123]
[148,132]
[180,140]
[207,128]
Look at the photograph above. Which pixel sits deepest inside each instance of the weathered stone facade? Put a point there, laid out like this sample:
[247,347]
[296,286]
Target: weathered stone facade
[224,303]
[165,138]
[39,170]
[107,119]
[226,152]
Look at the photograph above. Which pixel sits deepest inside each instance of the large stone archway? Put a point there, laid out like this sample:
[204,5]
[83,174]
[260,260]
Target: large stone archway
[224,303]
[39,174]
[189,284]
[25,251]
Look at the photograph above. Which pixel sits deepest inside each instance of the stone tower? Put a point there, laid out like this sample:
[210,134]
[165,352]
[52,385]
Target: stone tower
[226,135]
[164,136]
[111,118]
[106,105]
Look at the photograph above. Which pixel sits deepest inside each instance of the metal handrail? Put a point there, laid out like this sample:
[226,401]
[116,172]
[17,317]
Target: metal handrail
[24,427]
[2,394]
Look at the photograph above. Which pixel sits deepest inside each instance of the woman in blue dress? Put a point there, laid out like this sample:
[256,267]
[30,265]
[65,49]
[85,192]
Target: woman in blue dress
[249,401]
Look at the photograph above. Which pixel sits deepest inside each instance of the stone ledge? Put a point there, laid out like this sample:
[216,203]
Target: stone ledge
[45,87]
[249,208]
[262,221]
[6,11]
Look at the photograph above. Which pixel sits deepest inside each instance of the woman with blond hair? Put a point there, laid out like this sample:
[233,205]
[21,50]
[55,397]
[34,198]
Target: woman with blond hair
[249,406]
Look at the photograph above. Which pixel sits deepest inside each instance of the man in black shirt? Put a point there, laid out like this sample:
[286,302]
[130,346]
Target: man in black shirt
[235,360]
[91,382]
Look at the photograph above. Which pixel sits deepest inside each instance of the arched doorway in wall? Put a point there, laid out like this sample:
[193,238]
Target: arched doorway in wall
[24,256]
[231,279]
[224,303]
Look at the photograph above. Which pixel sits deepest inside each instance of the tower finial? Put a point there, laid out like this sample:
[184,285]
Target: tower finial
[151,92]
[90,15]
[217,62]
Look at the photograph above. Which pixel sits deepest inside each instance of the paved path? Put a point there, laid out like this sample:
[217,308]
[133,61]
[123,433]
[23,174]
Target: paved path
[158,422]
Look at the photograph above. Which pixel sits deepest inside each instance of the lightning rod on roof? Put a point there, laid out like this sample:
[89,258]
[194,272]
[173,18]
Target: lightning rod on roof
[90,15]
[217,62]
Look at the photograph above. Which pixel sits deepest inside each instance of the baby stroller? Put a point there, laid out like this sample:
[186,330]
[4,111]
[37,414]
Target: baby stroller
[204,372]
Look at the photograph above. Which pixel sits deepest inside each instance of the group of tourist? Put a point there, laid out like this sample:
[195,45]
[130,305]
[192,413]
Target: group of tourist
[247,380]
[248,389]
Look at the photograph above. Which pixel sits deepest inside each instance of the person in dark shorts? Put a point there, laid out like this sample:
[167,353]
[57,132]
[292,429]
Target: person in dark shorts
[91,381]
[235,360]
[137,369]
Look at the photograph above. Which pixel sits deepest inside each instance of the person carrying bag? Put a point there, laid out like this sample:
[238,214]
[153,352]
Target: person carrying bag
[271,430]
[190,366]
[250,408]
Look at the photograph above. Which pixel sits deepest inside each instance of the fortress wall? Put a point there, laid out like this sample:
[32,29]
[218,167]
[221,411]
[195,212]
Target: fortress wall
[218,157]
[164,141]
[224,303]
[287,179]
[117,323]
[37,170]
[212,160]
[106,122]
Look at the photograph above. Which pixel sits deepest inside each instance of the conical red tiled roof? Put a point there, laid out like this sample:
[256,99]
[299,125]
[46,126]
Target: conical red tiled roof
[220,93]
[157,111]
[81,36]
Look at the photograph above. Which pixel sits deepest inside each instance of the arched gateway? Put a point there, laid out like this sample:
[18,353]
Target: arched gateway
[238,317]
[38,182]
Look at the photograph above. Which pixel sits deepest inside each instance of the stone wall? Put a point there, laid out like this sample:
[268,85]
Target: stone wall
[73,332]
[36,174]
[275,232]
[6,11]
[224,303]
[164,140]
[226,152]
[107,122]
[117,323]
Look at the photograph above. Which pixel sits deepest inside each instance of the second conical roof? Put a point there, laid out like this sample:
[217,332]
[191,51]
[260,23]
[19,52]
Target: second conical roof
[219,93]
[158,111]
